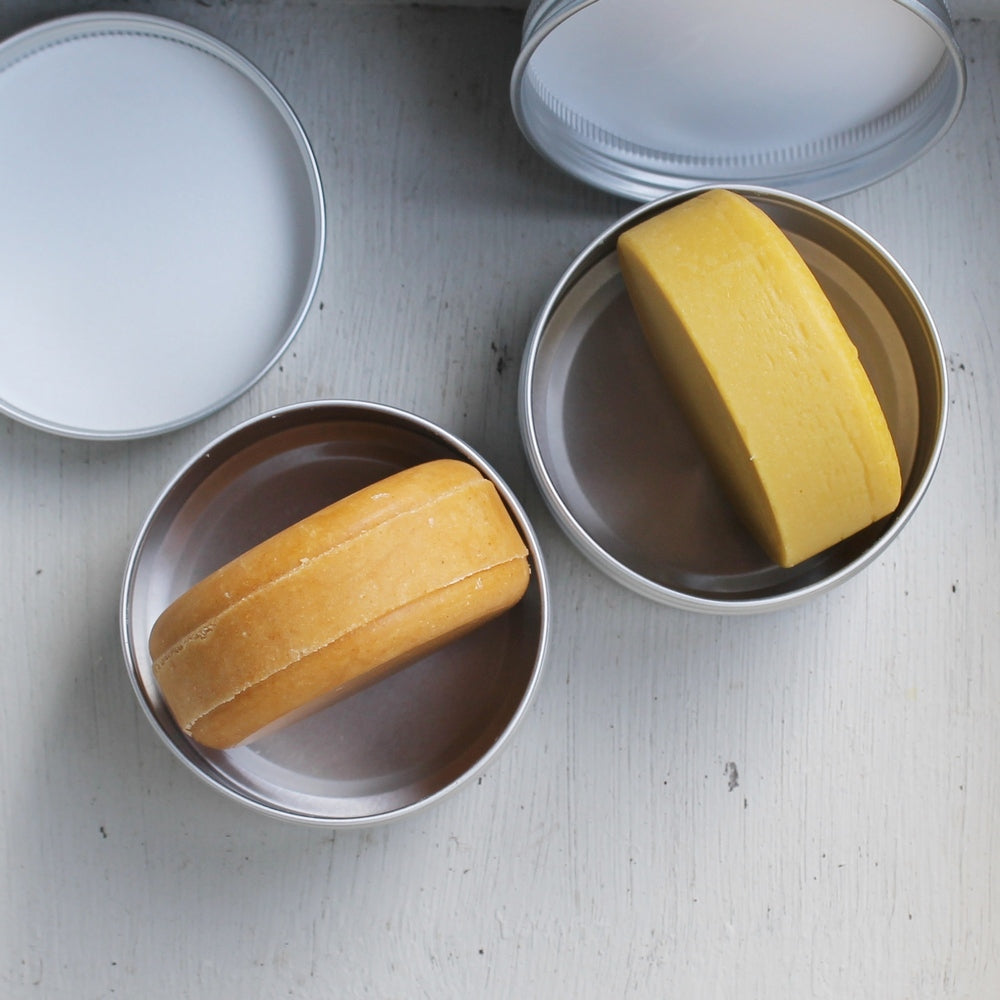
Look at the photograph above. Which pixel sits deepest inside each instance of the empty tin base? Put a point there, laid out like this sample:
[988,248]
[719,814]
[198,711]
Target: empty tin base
[394,746]
[620,468]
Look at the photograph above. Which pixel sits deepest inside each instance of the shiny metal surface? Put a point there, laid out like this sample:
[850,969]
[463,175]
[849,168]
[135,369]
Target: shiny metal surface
[164,225]
[622,473]
[645,97]
[395,746]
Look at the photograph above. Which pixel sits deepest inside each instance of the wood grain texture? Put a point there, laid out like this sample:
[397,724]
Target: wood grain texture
[796,805]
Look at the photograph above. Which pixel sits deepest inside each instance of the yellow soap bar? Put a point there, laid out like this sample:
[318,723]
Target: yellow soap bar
[768,377]
[338,600]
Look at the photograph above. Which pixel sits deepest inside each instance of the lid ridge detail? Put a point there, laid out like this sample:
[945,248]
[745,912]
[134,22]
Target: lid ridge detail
[642,98]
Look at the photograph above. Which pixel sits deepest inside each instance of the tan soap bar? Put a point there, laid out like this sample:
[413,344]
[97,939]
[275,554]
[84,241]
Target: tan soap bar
[338,600]
[770,381]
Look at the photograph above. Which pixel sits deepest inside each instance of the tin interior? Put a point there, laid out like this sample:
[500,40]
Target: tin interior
[620,468]
[643,97]
[384,750]
[163,225]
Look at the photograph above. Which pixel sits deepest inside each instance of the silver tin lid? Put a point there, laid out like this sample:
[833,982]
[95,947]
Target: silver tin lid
[645,97]
[163,225]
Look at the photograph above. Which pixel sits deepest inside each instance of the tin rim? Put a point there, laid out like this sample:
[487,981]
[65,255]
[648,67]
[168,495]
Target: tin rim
[611,148]
[535,404]
[99,334]
[256,790]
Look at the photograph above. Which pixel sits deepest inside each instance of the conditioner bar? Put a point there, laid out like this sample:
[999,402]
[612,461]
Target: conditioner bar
[337,601]
[769,379]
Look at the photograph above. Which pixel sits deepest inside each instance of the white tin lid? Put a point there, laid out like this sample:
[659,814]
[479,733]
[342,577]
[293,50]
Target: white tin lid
[645,97]
[162,225]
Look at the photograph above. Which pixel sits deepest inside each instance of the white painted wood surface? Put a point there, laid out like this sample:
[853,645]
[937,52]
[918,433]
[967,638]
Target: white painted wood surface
[796,805]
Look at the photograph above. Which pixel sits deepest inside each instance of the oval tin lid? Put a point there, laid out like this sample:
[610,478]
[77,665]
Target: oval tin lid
[645,97]
[163,225]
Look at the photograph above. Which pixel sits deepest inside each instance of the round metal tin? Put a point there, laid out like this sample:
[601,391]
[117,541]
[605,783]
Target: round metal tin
[645,97]
[398,745]
[163,225]
[618,466]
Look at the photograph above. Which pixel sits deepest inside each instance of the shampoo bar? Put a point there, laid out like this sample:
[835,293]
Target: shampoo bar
[770,381]
[337,600]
